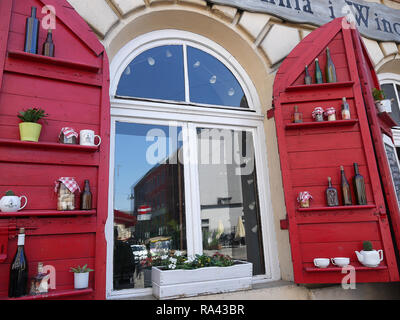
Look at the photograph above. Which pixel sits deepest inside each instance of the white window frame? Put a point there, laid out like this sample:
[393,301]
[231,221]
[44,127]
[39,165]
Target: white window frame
[394,79]
[189,117]
[177,37]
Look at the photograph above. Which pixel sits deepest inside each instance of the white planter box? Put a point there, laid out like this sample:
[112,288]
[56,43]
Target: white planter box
[170,284]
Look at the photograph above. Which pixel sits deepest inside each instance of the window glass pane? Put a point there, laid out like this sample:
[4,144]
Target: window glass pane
[148,199]
[230,213]
[210,82]
[157,73]
[390,94]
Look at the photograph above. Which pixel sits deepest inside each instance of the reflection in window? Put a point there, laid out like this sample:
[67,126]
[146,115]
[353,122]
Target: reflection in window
[158,73]
[148,200]
[155,74]
[392,91]
[230,213]
[211,82]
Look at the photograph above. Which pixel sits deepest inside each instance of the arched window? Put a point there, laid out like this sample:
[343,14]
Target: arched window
[182,73]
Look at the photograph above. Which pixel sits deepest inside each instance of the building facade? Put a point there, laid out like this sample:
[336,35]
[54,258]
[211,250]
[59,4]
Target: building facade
[194,162]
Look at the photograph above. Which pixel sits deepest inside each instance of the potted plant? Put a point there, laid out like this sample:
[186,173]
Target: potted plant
[81,276]
[176,275]
[383,104]
[368,256]
[29,128]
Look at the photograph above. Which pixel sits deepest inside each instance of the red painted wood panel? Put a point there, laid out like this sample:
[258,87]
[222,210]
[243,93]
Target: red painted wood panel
[73,89]
[309,154]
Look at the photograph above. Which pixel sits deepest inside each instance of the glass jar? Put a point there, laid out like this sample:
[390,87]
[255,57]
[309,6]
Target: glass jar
[66,198]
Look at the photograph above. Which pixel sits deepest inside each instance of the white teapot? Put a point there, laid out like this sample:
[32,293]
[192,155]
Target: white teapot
[12,203]
[370,258]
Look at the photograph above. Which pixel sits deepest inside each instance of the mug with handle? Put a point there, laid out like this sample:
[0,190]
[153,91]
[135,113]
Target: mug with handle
[87,138]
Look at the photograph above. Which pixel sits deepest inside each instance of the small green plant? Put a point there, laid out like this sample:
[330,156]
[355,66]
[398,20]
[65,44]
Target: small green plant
[80,269]
[367,246]
[378,94]
[32,115]
[10,193]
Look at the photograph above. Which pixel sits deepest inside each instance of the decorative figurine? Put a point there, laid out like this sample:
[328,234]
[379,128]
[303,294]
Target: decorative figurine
[40,283]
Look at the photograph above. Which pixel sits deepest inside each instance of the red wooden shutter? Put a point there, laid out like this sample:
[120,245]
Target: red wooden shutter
[73,89]
[310,152]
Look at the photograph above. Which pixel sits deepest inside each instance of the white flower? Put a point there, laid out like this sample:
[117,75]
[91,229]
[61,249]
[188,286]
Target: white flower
[173,260]
[178,253]
[164,257]
[172,266]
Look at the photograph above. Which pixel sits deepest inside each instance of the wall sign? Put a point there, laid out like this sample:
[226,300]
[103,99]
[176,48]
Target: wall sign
[373,20]
[393,164]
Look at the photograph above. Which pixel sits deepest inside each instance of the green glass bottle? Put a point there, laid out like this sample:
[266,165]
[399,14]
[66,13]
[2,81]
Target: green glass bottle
[307,78]
[318,73]
[330,70]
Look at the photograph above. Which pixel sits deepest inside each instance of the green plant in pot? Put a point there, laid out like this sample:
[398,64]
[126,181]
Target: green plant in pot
[383,104]
[29,128]
[81,276]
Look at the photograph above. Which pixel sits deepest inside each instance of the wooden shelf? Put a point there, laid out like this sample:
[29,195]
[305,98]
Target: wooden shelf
[336,208]
[320,86]
[46,213]
[47,145]
[53,61]
[321,124]
[54,295]
[338,269]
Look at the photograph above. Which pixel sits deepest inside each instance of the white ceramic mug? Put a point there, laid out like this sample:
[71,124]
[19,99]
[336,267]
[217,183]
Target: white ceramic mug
[87,137]
[340,262]
[321,262]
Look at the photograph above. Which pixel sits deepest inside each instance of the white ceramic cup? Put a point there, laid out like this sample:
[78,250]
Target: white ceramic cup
[340,261]
[321,262]
[87,137]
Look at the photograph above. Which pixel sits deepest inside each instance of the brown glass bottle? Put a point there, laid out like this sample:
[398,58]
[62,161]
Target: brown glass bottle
[330,70]
[346,193]
[86,197]
[48,45]
[331,195]
[359,186]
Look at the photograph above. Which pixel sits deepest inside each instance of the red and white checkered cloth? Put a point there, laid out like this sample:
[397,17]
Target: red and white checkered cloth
[69,132]
[69,182]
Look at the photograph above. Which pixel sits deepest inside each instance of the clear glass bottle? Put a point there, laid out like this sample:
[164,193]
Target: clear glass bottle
[297,116]
[345,110]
